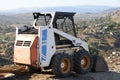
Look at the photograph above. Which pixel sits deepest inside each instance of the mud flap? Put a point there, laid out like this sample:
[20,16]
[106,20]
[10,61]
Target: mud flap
[99,64]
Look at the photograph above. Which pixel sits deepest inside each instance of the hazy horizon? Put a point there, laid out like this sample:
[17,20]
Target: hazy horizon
[18,4]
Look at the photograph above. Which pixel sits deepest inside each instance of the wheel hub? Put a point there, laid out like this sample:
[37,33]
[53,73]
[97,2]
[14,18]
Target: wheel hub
[82,61]
[85,62]
[62,65]
[65,65]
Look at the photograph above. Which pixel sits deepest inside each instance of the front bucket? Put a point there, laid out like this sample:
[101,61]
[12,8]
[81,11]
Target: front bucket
[99,64]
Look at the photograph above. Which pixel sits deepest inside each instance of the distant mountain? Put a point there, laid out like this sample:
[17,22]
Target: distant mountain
[78,9]
[112,9]
[21,17]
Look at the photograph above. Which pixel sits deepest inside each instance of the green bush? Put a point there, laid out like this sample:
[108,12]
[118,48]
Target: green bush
[93,50]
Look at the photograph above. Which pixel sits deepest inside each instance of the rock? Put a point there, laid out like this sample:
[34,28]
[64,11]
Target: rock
[118,53]
[118,63]
[108,57]
[7,76]
[113,53]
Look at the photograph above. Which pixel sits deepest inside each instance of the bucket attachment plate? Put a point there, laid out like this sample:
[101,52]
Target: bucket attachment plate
[99,64]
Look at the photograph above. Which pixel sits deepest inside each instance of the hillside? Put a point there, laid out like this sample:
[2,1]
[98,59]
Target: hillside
[99,29]
[116,16]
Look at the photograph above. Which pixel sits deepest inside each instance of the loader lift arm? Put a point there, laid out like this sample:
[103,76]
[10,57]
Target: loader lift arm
[76,41]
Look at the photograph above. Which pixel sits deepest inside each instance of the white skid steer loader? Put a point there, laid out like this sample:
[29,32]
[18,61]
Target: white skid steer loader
[52,43]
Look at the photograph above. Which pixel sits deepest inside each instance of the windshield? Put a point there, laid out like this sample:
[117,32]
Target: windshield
[43,20]
[65,24]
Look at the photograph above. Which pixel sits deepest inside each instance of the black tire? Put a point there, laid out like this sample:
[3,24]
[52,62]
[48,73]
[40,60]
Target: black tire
[82,62]
[62,65]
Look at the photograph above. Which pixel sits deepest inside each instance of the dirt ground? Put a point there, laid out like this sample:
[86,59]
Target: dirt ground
[89,76]
[112,74]
[48,75]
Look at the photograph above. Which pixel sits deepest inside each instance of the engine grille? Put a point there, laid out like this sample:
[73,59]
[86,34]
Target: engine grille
[23,43]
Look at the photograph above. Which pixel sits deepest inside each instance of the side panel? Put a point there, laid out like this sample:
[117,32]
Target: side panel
[46,45]
[25,49]
[33,52]
[22,55]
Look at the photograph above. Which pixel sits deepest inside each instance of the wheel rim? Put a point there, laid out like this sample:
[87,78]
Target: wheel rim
[65,65]
[85,62]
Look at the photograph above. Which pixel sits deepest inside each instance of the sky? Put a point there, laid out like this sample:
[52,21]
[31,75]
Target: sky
[15,4]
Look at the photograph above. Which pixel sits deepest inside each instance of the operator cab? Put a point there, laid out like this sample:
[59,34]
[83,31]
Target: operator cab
[64,21]
[60,20]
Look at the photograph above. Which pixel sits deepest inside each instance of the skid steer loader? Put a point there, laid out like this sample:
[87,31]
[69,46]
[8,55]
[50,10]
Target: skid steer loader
[52,43]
